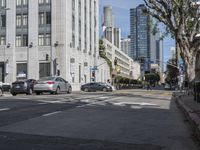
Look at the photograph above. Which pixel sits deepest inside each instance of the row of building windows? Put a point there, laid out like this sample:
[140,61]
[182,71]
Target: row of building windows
[25,2]
[22,40]
[44,70]
[21,2]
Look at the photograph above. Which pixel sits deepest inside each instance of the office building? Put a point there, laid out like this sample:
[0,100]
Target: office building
[110,32]
[140,37]
[126,45]
[49,37]
[128,68]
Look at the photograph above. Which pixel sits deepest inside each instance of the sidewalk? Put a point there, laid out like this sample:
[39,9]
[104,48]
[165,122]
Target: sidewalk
[191,110]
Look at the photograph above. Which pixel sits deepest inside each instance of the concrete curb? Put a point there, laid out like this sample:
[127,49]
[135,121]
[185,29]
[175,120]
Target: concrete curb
[193,118]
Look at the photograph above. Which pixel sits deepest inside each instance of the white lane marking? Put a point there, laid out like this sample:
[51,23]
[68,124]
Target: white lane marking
[52,102]
[53,113]
[134,103]
[4,109]
[98,102]
[103,97]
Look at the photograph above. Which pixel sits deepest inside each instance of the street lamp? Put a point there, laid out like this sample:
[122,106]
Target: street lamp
[52,60]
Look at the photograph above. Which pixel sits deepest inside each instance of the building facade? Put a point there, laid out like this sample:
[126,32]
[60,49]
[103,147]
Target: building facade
[140,37]
[126,45]
[49,37]
[110,32]
[108,19]
[126,66]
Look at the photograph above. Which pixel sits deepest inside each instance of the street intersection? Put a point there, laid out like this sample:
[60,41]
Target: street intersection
[124,120]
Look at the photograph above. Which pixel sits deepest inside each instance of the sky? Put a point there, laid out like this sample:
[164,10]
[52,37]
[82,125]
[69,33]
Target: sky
[121,11]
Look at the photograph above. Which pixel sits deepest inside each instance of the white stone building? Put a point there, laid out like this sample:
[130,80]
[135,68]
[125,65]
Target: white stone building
[128,68]
[44,37]
[126,45]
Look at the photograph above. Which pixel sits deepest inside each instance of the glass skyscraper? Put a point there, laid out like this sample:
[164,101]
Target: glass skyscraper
[140,37]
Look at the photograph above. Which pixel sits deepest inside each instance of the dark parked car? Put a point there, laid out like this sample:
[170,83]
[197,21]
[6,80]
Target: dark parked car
[97,86]
[23,87]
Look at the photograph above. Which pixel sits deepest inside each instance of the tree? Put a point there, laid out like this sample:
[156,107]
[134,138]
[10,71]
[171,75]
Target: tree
[181,18]
[152,77]
[172,73]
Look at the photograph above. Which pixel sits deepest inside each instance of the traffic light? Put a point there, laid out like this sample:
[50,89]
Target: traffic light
[93,73]
[142,60]
[58,72]
[47,57]
[115,62]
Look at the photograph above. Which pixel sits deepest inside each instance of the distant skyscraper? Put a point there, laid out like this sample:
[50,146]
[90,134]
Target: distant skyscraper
[108,17]
[111,33]
[126,45]
[140,37]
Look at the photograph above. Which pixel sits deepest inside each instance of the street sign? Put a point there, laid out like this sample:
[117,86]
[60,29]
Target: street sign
[94,68]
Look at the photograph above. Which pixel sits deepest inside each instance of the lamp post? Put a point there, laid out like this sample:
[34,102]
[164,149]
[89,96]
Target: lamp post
[52,59]
[29,46]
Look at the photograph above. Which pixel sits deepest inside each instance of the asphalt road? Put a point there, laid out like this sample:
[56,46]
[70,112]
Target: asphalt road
[122,120]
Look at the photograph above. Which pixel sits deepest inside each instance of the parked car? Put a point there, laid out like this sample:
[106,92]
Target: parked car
[167,87]
[54,85]
[96,86]
[23,87]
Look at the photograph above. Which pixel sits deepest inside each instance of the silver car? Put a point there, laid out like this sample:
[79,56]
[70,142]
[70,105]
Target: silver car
[54,85]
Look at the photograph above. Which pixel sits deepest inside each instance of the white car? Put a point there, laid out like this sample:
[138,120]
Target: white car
[54,85]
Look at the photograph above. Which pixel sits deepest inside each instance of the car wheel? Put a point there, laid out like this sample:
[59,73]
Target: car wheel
[1,92]
[86,90]
[105,89]
[58,90]
[14,94]
[38,93]
[69,90]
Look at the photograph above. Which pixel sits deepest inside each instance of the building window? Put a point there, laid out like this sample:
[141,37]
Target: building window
[48,39]
[44,70]
[18,41]
[19,2]
[48,1]
[73,5]
[44,1]
[41,1]
[25,40]
[25,20]
[22,71]
[3,3]
[48,17]
[73,41]
[25,2]
[3,18]
[22,40]
[44,39]
[41,40]
[3,40]
[19,20]
[41,18]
